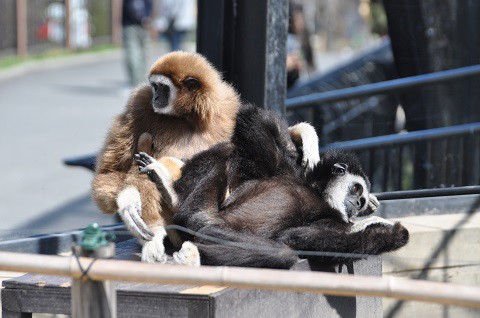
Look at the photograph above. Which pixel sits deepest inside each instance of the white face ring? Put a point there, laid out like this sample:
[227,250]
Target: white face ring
[164,80]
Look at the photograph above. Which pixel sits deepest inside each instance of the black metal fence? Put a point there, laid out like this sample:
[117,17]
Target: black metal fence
[365,115]
[389,160]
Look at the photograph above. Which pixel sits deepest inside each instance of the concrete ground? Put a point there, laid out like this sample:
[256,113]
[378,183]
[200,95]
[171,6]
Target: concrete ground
[49,111]
[442,248]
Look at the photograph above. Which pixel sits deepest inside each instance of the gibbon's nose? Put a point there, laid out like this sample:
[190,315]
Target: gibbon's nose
[161,89]
[162,94]
[361,202]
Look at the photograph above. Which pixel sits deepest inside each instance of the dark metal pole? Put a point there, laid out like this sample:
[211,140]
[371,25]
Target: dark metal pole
[414,136]
[246,41]
[276,55]
[210,31]
[427,193]
[383,87]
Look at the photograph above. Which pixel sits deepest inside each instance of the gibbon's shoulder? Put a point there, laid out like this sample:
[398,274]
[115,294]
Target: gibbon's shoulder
[140,100]
[262,126]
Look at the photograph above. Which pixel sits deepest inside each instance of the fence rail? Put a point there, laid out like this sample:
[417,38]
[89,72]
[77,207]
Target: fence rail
[382,87]
[450,156]
[396,139]
[326,283]
[431,158]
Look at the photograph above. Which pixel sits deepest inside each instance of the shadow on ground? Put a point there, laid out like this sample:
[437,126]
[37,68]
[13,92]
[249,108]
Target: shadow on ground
[72,215]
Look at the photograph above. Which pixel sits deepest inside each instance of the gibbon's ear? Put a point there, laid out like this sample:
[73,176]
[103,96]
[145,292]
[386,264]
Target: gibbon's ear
[339,169]
[145,144]
[192,84]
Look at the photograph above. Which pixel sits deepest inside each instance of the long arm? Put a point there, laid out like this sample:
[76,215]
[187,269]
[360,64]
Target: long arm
[113,164]
[115,186]
[327,235]
[264,148]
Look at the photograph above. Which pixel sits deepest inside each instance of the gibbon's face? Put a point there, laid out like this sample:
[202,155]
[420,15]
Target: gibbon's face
[339,180]
[346,192]
[181,82]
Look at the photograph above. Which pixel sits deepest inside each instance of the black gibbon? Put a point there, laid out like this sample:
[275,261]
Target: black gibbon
[253,190]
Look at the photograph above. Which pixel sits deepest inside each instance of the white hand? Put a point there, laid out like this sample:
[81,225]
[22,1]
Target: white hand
[361,225]
[130,210]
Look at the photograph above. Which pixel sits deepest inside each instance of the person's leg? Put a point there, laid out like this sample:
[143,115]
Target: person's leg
[139,58]
[129,52]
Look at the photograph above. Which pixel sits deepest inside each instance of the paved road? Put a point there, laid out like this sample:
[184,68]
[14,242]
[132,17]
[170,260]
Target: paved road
[46,116]
[58,111]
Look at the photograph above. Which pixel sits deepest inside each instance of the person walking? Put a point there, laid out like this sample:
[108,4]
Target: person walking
[174,19]
[135,23]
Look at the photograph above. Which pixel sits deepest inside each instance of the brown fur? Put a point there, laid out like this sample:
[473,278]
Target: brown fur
[202,119]
[173,166]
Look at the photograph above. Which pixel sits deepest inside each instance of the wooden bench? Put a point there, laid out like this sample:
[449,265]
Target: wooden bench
[32,293]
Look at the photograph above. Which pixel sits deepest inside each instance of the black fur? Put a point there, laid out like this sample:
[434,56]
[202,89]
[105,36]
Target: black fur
[272,203]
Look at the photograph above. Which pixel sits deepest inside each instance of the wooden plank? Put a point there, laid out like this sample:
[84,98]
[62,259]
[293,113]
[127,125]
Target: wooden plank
[203,290]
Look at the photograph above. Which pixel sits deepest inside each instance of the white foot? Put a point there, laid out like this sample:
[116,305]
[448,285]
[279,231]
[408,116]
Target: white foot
[359,226]
[154,251]
[305,134]
[188,255]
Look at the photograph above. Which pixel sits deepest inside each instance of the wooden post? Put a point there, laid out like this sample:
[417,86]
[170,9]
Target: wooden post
[116,21]
[67,24]
[22,37]
[94,298]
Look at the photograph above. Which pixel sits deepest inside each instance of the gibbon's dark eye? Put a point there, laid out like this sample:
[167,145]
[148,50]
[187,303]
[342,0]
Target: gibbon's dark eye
[357,189]
[339,168]
[192,83]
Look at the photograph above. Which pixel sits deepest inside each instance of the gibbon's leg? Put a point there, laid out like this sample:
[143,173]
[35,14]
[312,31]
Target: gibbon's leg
[331,236]
[145,143]
[264,147]
[242,249]
[163,174]
[152,212]
[305,138]
[105,190]
[160,175]
[202,188]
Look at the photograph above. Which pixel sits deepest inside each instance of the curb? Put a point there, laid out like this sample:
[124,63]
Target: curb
[60,62]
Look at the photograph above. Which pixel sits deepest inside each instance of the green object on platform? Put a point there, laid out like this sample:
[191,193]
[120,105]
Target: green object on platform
[94,237]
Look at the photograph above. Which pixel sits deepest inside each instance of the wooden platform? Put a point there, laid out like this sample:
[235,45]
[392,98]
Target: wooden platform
[51,294]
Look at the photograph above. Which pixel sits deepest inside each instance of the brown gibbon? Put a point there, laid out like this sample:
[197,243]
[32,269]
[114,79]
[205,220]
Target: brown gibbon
[185,109]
